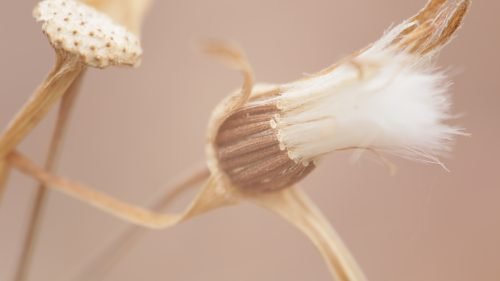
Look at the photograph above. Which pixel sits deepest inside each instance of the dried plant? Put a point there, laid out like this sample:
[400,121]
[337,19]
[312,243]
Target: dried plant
[82,37]
[263,139]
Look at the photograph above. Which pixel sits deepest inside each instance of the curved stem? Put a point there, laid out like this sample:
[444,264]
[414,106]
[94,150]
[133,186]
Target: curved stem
[212,196]
[237,59]
[98,268]
[66,70]
[4,177]
[295,207]
[38,207]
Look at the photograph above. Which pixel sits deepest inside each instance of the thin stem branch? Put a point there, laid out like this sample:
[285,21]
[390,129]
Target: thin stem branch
[4,177]
[212,196]
[55,148]
[295,207]
[66,70]
[104,262]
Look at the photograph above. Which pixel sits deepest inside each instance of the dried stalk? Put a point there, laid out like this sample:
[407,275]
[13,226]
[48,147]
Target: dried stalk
[67,26]
[210,197]
[72,59]
[67,68]
[4,177]
[294,206]
[35,220]
[289,203]
[104,262]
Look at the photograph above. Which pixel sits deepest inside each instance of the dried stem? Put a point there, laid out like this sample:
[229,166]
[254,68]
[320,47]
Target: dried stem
[212,196]
[295,207]
[35,221]
[67,69]
[108,258]
[4,177]
[289,203]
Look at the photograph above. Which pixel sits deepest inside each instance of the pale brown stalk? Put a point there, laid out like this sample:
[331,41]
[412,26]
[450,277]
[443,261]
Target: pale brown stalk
[72,58]
[80,58]
[55,148]
[4,177]
[212,196]
[100,266]
[67,68]
[294,206]
[289,203]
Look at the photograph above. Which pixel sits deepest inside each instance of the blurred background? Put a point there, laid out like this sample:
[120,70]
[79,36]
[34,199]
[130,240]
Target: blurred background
[134,129]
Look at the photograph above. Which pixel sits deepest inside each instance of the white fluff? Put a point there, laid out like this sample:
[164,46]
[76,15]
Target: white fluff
[383,100]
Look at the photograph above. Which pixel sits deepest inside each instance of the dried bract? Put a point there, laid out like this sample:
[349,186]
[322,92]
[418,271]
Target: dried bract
[250,152]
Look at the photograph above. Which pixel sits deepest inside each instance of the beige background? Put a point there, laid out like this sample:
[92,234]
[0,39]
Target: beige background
[135,129]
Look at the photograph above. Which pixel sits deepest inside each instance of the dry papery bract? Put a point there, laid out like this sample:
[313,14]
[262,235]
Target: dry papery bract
[81,36]
[263,140]
[129,13]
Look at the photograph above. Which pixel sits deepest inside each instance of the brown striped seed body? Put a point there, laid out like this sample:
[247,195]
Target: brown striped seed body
[249,151]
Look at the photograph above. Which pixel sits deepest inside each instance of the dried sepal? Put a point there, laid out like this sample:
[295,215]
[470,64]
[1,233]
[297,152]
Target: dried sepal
[82,30]
[235,58]
[433,27]
[250,153]
[129,13]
